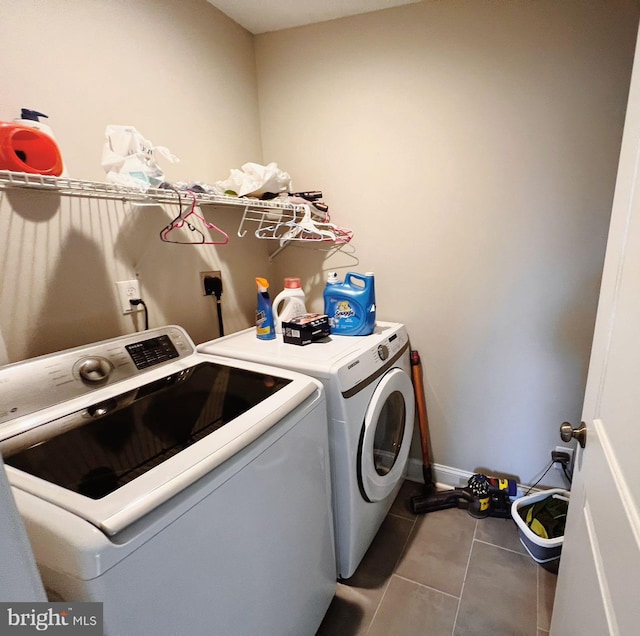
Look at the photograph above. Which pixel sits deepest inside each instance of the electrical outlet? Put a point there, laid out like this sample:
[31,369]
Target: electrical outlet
[128,289]
[563,449]
[204,275]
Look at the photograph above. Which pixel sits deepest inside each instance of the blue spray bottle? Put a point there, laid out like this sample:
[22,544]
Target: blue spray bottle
[264,313]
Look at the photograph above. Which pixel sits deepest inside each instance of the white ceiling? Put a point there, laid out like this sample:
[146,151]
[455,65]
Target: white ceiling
[260,16]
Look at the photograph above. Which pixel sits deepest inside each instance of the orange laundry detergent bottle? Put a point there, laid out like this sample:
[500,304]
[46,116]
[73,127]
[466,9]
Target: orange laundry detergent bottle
[27,149]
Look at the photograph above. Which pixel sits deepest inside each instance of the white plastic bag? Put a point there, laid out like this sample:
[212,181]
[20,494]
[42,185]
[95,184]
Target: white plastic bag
[130,160]
[254,180]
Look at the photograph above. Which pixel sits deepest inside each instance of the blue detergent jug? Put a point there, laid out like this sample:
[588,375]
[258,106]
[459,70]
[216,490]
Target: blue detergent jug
[351,305]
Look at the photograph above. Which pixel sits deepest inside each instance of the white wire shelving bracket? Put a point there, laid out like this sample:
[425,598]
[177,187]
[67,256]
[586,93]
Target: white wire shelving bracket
[276,219]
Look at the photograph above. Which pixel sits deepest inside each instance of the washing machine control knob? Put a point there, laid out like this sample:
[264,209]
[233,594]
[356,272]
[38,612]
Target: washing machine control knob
[383,352]
[94,369]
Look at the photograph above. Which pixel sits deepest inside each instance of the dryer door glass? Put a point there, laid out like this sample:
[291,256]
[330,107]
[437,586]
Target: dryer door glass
[389,433]
[386,436]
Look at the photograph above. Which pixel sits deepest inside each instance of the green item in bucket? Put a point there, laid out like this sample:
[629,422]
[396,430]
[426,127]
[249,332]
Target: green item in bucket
[546,517]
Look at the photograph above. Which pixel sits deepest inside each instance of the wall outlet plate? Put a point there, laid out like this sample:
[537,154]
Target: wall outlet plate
[564,449]
[212,274]
[128,289]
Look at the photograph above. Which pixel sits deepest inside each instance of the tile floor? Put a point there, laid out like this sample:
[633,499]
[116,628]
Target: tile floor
[443,573]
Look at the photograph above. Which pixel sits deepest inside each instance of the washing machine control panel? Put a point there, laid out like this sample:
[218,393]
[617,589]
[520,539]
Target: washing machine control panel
[152,351]
[386,347]
[52,379]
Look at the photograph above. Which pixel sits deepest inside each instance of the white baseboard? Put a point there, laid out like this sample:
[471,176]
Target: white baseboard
[445,476]
[449,477]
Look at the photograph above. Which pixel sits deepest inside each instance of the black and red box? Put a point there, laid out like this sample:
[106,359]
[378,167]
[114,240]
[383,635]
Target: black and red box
[305,329]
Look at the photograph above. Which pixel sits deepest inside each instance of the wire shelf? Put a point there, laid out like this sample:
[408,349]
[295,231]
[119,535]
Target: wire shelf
[276,219]
[104,190]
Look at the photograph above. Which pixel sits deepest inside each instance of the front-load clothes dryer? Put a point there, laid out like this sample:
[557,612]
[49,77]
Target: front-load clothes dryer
[371,408]
[189,494]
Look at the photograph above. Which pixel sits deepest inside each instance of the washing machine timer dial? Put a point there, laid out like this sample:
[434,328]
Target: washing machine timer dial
[383,352]
[94,369]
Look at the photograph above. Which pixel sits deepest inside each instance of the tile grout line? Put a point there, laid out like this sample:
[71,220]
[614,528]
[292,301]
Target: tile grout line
[537,597]
[501,547]
[405,517]
[386,587]
[427,587]
[464,580]
[373,618]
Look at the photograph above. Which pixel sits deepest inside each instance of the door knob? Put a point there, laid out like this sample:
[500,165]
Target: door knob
[580,433]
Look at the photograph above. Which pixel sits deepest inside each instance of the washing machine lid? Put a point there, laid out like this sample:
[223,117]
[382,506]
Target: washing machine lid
[118,452]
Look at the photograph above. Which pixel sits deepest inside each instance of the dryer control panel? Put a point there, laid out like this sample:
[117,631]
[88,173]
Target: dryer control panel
[386,349]
[42,382]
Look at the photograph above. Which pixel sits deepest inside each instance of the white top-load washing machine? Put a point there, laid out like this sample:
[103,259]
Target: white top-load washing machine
[371,408]
[188,493]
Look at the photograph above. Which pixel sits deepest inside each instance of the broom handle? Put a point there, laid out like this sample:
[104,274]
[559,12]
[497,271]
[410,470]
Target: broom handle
[421,402]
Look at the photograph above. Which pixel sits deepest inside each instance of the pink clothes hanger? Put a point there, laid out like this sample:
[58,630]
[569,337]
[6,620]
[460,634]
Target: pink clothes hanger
[181,220]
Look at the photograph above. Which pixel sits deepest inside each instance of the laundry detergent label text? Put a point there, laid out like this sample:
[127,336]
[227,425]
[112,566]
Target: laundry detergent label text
[23,619]
[343,310]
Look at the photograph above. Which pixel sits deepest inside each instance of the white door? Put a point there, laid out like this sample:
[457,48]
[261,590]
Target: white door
[386,435]
[598,589]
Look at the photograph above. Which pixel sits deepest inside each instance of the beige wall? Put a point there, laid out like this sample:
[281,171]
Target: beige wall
[184,75]
[472,147]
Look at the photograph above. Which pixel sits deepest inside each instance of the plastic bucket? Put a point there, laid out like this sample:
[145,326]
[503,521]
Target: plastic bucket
[546,552]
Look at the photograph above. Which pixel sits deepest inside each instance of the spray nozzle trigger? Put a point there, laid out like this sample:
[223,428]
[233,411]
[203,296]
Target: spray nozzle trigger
[33,115]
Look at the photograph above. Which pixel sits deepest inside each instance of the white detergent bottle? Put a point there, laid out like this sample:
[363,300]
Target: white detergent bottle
[292,300]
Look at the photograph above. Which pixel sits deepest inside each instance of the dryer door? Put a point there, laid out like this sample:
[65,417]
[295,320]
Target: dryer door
[386,436]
